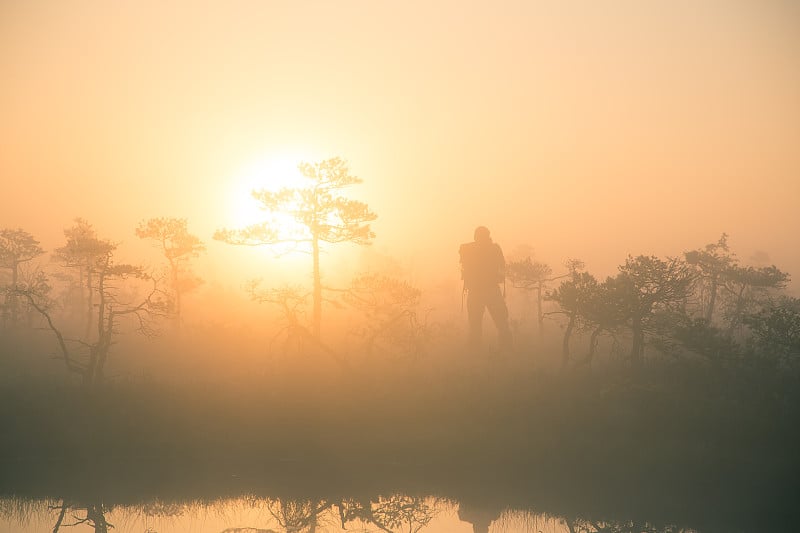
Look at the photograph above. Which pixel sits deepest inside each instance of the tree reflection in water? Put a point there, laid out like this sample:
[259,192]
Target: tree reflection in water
[295,516]
[94,516]
[397,513]
[589,526]
[393,514]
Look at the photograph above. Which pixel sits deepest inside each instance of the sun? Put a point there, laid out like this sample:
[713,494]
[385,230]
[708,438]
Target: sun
[272,172]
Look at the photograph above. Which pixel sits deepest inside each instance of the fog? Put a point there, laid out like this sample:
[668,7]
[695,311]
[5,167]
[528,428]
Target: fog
[581,131]
[635,163]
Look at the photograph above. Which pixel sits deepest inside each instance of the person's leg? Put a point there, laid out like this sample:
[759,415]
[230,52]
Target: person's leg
[475,307]
[499,313]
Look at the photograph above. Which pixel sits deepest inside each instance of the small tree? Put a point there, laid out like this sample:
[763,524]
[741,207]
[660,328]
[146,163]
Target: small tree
[322,215]
[109,278]
[389,306]
[173,240]
[17,246]
[746,288]
[696,336]
[776,330]
[588,305]
[648,285]
[572,296]
[712,262]
[603,312]
[530,275]
[290,301]
[85,252]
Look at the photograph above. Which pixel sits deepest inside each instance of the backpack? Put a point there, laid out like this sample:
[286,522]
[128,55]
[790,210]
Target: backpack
[482,264]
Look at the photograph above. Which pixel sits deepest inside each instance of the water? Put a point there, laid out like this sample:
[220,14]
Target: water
[477,447]
[395,513]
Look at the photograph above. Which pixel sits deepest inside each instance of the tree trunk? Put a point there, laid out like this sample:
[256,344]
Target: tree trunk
[539,314]
[737,314]
[12,299]
[95,515]
[88,373]
[565,341]
[637,346]
[99,350]
[712,300]
[317,288]
[592,346]
[62,512]
[71,367]
[104,345]
[89,304]
[101,308]
[174,271]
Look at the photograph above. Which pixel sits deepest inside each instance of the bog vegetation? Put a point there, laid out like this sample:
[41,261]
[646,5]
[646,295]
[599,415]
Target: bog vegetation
[675,380]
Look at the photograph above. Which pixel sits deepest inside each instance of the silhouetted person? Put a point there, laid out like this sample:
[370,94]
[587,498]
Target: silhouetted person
[483,270]
[480,517]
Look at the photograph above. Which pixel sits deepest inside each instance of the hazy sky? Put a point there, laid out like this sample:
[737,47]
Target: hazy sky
[582,128]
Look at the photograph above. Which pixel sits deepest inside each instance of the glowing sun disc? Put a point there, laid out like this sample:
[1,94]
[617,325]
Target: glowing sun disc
[271,173]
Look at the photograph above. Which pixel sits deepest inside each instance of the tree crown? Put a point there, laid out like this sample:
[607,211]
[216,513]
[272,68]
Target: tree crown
[17,246]
[319,211]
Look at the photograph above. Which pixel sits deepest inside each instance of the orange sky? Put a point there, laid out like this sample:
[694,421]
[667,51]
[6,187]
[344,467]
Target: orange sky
[585,129]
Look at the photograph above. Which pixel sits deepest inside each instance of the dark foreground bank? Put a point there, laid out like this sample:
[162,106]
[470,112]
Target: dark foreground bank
[711,449]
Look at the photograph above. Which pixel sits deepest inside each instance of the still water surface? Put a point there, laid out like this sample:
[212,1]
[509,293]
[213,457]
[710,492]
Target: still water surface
[396,513]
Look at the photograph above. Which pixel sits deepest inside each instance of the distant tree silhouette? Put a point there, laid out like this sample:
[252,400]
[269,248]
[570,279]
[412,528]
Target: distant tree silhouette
[531,275]
[776,328]
[111,306]
[588,305]
[85,252]
[322,216]
[713,262]
[17,246]
[696,336]
[389,307]
[740,291]
[114,303]
[173,240]
[291,300]
[647,285]
[573,296]
[32,278]
[603,312]
[746,289]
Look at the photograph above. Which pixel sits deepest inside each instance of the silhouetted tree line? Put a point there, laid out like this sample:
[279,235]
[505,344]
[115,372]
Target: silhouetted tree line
[100,292]
[95,287]
[704,304]
[392,513]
